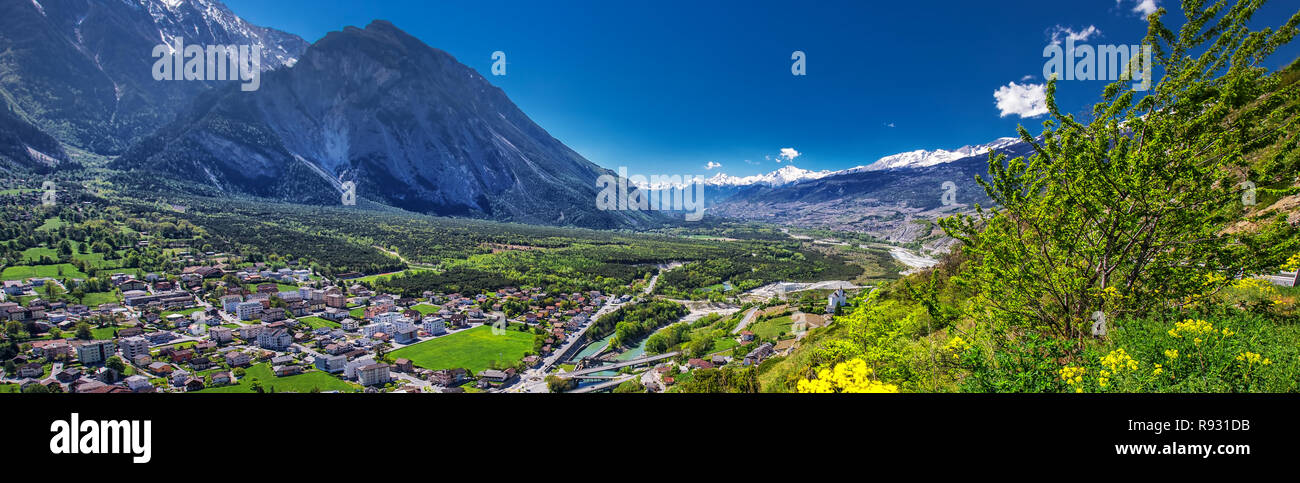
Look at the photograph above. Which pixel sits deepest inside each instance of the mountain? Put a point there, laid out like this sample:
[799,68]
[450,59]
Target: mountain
[921,158]
[783,176]
[883,198]
[23,145]
[411,126]
[81,70]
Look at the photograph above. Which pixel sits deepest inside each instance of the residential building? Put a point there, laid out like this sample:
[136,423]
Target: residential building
[133,347]
[221,335]
[332,364]
[237,358]
[276,339]
[373,374]
[248,310]
[95,352]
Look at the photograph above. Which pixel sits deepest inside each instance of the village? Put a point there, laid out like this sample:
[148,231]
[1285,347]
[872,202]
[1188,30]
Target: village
[206,328]
[212,328]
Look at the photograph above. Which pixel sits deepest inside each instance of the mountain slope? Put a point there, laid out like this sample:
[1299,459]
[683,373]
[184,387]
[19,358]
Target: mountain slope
[81,70]
[409,124]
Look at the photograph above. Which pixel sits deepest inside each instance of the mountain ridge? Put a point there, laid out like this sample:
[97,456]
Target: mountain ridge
[408,123]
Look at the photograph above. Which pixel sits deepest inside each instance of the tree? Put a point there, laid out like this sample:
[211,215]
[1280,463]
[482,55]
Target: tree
[83,331]
[557,384]
[115,364]
[1137,208]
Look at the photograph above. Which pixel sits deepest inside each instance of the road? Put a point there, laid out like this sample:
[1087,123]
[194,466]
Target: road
[602,386]
[534,379]
[749,317]
[619,365]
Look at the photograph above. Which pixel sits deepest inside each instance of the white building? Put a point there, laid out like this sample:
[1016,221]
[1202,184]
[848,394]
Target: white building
[275,339]
[250,332]
[248,310]
[137,383]
[434,325]
[371,329]
[373,374]
[179,377]
[350,369]
[221,335]
[835,300]
[331,364]
[229,302]
[134,346]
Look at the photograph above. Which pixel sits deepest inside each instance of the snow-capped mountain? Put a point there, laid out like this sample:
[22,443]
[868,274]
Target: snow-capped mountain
[911,159]
[82,71]
[922,157]
[783,176]
[211,20]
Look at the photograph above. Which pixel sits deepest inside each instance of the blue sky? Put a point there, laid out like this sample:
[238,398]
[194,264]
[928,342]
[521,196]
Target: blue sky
[671,86]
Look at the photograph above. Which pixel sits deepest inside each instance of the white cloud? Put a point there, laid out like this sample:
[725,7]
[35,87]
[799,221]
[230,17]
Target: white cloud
[889,124]
[1028,77]
[1060,33]
[1024,100]
[789,154]
[711,165]
[1141,7]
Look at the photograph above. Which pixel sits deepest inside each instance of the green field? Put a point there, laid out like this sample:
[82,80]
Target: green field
[426,309]
[185,312]
[769,329]
[103,333]
[9,389]
[282,287]
[473,349]
[299,383]
[357,313]
[33,256]
[93,299]
[51,224]
[317,322]
[23,272]
[375,278]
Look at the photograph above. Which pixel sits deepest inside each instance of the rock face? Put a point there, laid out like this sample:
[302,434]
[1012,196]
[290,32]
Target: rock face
[407,123]
[81,70]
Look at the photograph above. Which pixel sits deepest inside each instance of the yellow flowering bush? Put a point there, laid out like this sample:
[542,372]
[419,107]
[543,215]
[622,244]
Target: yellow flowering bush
[1253,294]
[1292,264]
[846,377]
[1118,360]
[1192,355]
[1191,327]
[957,345]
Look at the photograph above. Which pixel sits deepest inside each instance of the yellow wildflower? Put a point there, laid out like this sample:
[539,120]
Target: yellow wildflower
[848,377]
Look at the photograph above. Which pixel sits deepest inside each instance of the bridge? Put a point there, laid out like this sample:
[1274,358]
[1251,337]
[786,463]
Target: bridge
[604,385]
[613,367]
